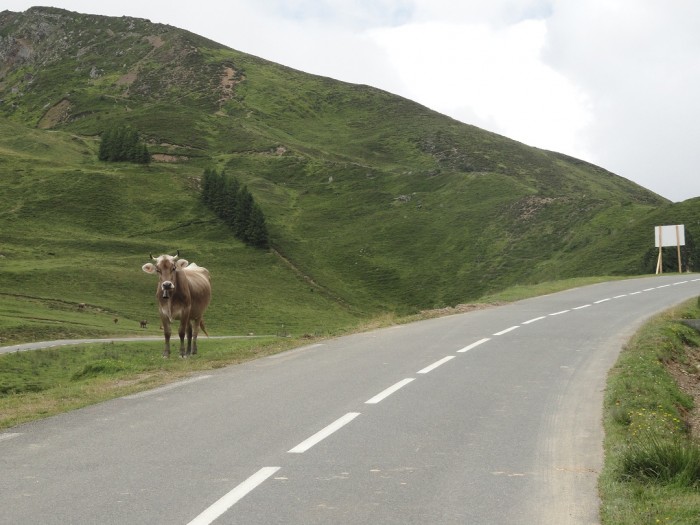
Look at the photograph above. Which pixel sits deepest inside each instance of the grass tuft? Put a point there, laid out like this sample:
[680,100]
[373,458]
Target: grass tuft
[655,459]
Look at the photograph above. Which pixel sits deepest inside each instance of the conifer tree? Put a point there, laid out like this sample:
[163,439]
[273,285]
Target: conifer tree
[207,183]
[229,212]
[256,234]
[244,210]
[123,144]
[235,206]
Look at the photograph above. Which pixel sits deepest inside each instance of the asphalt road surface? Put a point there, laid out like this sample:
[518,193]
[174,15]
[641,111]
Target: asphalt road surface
[490,417]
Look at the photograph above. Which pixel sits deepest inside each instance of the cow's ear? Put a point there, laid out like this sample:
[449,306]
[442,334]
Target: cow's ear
[181,263]
[149,268]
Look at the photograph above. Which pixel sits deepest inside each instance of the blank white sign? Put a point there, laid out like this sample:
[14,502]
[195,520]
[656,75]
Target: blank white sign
[673,235]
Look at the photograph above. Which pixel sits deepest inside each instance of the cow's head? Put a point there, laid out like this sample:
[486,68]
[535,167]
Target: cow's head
[166,267]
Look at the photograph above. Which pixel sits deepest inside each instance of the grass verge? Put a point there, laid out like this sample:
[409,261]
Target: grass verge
[41,383]
[652,461]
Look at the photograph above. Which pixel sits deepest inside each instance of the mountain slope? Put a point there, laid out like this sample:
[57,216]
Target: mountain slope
[381,202]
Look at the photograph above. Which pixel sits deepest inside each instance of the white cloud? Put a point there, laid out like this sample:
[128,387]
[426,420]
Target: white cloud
[493,78]
[353,14]
[495,13]
[638,60]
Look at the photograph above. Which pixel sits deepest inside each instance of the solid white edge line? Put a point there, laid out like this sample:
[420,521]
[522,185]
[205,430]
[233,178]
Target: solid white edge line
[294,351]
[507,330]
[473,345]
[229,500]
[165,388]
[532,320]
[432,367]
[324,433]
[386,393]
[559,313]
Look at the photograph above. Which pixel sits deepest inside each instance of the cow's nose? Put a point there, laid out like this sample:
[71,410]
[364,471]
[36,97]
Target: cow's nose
[167,287]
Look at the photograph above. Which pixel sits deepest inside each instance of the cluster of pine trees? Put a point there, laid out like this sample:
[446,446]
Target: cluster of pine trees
[234,204]
[123,144]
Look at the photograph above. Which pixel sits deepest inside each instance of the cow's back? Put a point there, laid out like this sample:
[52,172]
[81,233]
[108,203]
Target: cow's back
[200,288]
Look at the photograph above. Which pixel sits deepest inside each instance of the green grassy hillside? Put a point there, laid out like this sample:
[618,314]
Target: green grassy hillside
[373,203]
[77,231]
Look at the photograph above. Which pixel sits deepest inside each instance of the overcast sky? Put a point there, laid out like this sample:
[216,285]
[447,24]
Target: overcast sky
[614,82]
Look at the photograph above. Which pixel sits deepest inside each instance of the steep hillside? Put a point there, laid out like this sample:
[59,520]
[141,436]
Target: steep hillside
[382,203]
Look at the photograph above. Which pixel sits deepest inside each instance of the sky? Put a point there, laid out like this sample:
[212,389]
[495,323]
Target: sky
[612,82]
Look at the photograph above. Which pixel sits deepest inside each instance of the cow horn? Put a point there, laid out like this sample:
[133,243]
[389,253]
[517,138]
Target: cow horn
[177,254]
[152,256]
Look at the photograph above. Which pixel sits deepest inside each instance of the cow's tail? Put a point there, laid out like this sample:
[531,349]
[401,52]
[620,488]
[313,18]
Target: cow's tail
[201,325]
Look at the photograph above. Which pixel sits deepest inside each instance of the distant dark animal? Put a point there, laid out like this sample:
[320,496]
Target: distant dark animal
[116,320]
[183,292]
[144,323]
[81,306]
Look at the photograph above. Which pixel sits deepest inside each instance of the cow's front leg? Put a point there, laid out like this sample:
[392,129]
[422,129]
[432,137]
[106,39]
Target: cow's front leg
[166,332]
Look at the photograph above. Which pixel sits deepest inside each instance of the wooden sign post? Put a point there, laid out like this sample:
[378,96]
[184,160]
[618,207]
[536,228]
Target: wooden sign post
[669,236]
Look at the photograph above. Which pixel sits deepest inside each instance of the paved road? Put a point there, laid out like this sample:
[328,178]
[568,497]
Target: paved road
[23,347]
[489,417]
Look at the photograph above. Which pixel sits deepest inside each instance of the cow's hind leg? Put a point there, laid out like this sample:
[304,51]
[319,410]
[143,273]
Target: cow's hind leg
[195,333]
[189,340]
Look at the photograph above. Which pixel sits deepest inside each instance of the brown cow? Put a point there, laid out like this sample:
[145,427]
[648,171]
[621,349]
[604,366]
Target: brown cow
[183,292]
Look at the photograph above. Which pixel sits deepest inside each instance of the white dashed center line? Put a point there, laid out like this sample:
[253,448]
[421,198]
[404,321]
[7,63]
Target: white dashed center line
[473,345]
[323,434]
[229,500]
[386,393]
[559,313]
[535,320]
[436,364]
[507,330]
